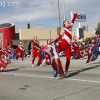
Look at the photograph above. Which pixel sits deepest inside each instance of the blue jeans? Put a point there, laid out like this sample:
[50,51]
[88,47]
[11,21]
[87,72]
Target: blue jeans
[42,57]
[11,57]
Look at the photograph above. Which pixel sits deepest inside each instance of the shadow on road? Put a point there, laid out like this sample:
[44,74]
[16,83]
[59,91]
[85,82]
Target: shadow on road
[15,69]
[96,63]
[73,73]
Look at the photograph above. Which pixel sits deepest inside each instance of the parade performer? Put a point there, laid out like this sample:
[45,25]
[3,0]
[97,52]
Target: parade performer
[65,44]
[51,50]
[75,45]
[2,52]
[20,50]
[97,35]
[3,65]
[42,56]
[9,53]
[36,52]
[93,51]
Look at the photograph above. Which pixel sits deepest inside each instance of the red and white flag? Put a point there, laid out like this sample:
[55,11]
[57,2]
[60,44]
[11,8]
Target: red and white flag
[51,51]
[3,65]
[94,51]
[83,52]
[24,41]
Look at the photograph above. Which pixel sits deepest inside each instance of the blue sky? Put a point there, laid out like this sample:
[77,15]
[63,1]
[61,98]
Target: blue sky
[39,14]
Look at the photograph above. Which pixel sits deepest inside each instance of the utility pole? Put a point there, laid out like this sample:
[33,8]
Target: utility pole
[59,14]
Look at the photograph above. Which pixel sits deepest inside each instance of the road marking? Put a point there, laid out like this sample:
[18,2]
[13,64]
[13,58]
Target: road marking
[91,81]
[80,80]
[28,75]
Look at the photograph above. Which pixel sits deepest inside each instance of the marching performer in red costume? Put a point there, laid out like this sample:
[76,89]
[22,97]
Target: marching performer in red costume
[8,52]
[65,44]
[8,48]
[36,51]
[20,49]
[97,35]
[3,65]
[76,48]
[2,51]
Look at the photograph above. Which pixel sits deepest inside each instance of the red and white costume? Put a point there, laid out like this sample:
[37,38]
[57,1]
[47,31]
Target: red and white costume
[8,52]
[20,50]
[36,51]
[65,44]
[3,65]
[8,48]
[97,37]
[2,51]
[76,49]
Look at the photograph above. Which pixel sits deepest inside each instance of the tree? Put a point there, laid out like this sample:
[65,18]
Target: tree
[98,26]
[84,28]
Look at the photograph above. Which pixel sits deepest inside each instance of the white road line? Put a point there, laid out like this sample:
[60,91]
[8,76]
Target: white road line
[80,80]
[28,75]
[34,75]
[91,81]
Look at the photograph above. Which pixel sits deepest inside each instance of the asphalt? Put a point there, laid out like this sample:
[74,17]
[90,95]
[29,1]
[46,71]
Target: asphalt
[22,82]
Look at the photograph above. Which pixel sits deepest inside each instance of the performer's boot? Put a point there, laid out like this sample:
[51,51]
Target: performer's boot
[66,74]
[43,62]
[33,65]
[1,69]
[41,65]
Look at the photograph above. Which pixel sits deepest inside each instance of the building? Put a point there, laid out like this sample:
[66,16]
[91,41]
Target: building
[7,33]
[43,35]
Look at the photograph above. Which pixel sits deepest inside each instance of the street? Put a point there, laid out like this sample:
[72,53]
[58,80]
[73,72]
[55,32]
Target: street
[20,81]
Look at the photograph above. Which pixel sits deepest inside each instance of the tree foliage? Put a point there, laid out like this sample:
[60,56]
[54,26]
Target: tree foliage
[84,28]
[98,26]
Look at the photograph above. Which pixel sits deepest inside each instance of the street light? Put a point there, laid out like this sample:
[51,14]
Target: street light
[59,10]
[64,12]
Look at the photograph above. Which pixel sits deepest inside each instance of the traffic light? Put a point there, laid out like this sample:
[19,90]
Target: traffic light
[58,30]
[28,25]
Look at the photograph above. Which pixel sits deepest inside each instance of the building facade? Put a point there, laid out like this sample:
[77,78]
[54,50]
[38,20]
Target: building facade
[7,33]
[45,35]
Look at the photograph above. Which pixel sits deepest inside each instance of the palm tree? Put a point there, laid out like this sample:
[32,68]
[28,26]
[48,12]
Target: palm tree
[84,28]
[98,26]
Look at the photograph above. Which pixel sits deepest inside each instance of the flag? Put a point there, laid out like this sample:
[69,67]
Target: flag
[24,41]
[83,53]
[3,65]
[51,51]
[76,55]
[93,52]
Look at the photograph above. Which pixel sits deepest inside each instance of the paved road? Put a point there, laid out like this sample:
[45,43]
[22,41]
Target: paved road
[22,82]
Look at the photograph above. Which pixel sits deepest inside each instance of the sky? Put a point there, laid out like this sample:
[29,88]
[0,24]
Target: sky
[40,14]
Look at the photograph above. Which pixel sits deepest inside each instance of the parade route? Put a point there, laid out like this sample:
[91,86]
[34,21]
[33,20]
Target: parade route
[20,81]
[50,50]
[91,81]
